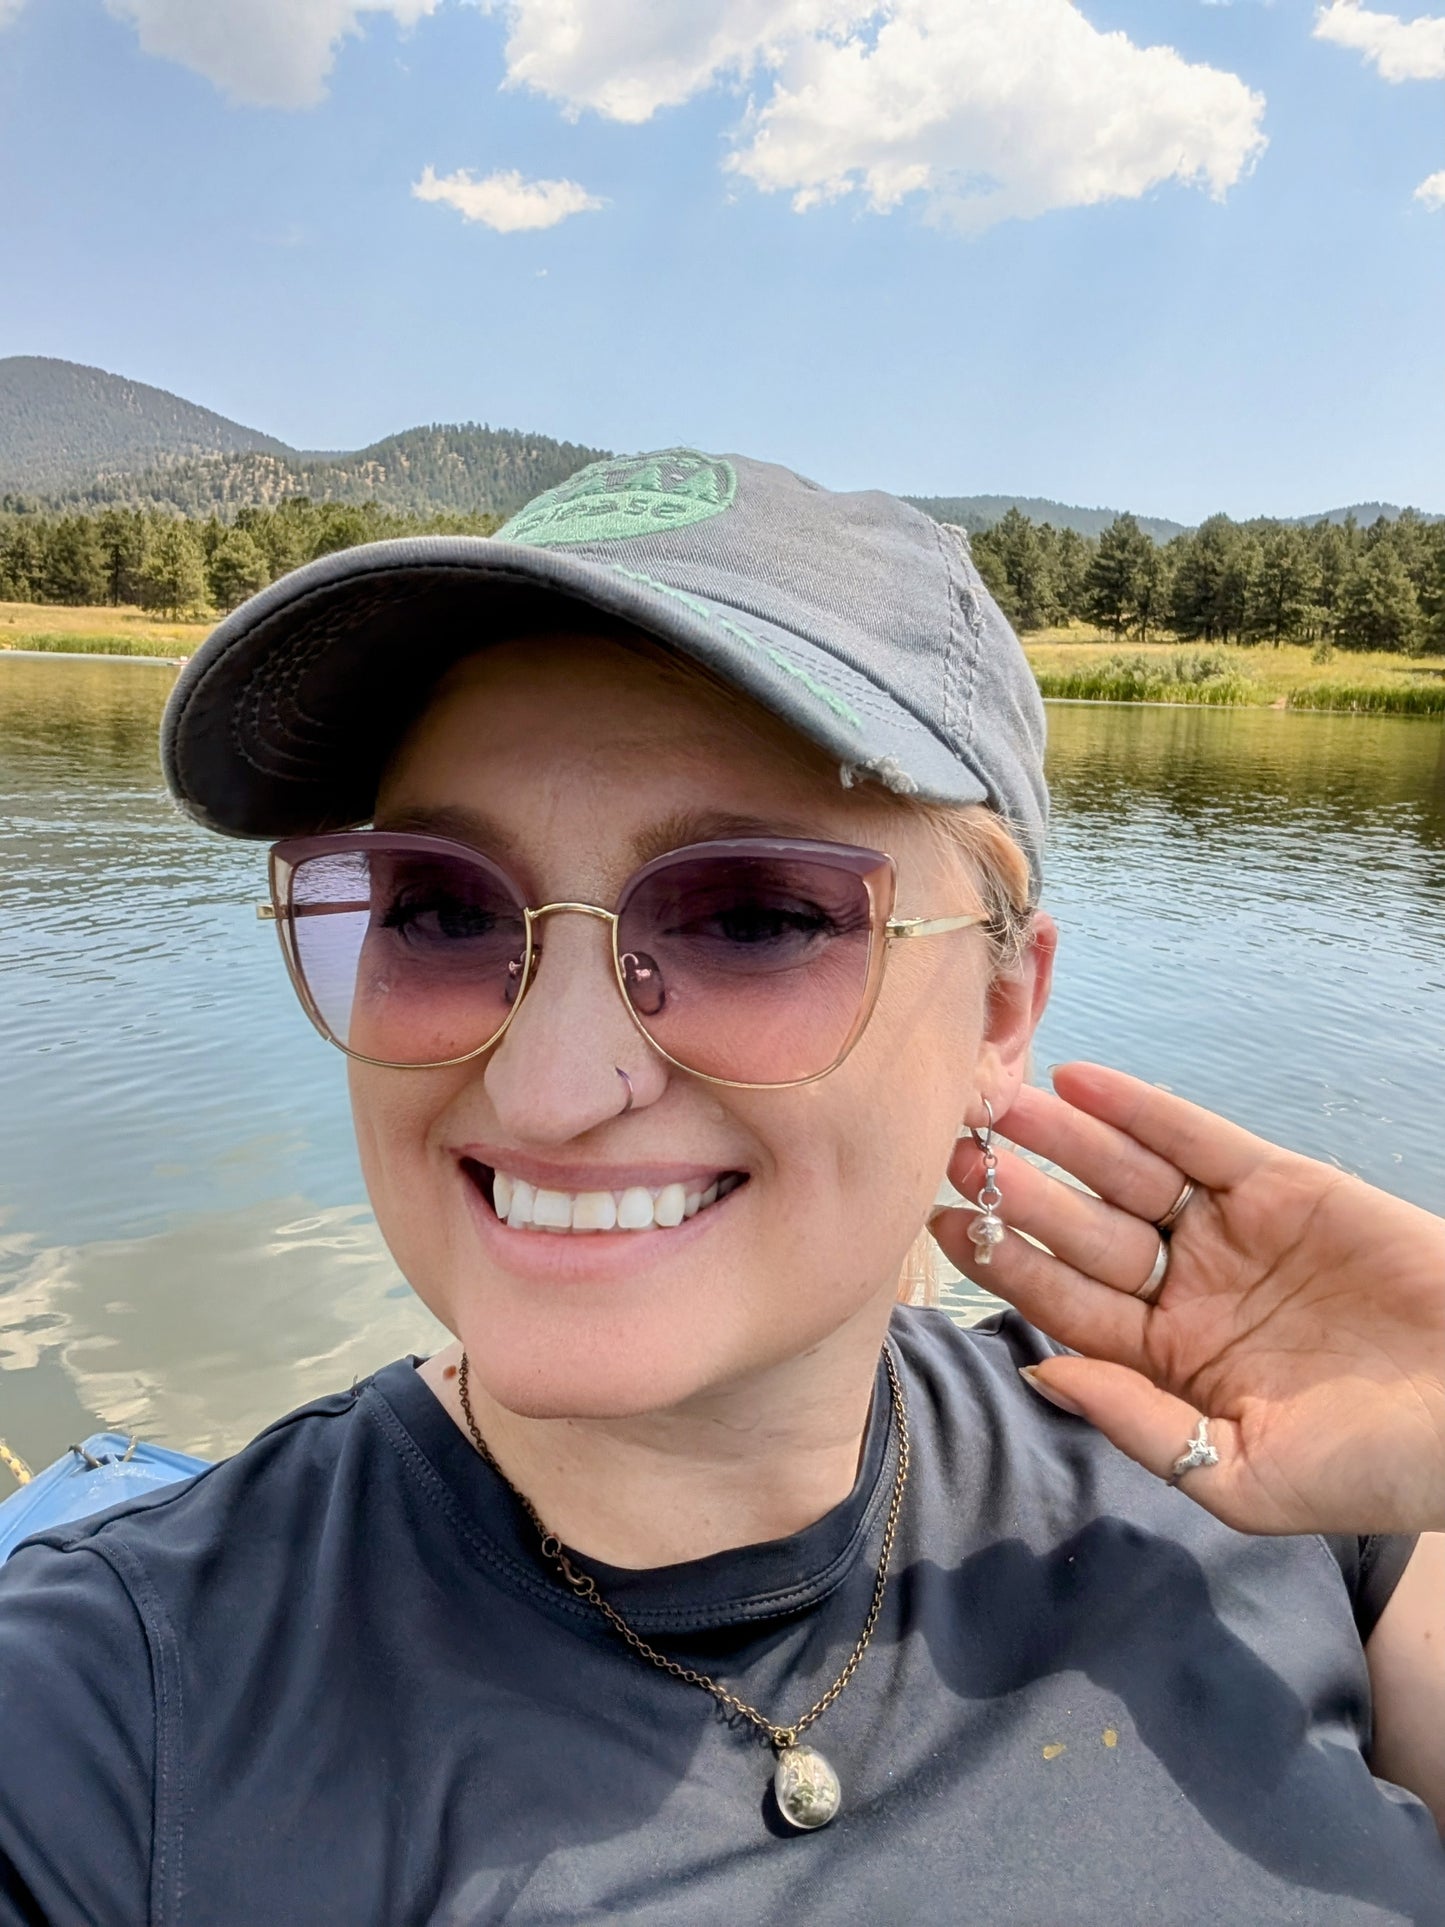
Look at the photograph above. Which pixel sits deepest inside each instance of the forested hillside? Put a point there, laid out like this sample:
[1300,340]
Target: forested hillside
[460,469]
[63,424]
[978,512]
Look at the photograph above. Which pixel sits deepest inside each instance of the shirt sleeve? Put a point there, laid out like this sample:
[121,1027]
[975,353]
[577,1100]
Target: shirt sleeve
[77,1743]
[1372,1568]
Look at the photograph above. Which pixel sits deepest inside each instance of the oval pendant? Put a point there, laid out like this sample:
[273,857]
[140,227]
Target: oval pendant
[807,1789]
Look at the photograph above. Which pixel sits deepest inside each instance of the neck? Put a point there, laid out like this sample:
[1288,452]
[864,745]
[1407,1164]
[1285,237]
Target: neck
[757,1460]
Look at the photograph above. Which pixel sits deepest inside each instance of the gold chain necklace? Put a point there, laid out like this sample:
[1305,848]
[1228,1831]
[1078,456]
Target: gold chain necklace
[806,1787]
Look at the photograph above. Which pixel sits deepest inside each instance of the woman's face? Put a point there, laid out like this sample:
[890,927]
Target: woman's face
[572,760]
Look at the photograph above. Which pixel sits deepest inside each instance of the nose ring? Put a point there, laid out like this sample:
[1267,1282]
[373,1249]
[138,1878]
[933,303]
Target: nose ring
[627,1083]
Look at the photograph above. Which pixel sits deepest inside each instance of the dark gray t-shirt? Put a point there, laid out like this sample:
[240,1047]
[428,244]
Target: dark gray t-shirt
[332,1681]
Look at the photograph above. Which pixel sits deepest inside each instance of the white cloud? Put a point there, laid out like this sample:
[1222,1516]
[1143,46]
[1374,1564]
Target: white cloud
[269,53]
[504,201]
[628,58]
[1432,191]
[987,111]
[1399,49]
[8,11]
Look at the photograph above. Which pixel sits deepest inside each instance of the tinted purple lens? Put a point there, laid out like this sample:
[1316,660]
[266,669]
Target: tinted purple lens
[755,968]
[409,954]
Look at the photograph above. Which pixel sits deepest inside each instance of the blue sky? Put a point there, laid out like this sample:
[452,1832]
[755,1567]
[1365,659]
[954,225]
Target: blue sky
[1157,254]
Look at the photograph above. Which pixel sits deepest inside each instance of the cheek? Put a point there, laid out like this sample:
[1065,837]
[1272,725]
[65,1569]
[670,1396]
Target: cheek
[867,1148]
[394,1114]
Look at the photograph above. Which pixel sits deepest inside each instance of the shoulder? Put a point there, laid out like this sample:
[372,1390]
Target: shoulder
[115,1628]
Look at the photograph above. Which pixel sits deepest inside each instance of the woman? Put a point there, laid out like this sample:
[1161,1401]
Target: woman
[698,1580]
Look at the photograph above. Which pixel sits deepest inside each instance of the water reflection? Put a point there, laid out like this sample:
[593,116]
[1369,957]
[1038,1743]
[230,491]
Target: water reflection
[1252,910]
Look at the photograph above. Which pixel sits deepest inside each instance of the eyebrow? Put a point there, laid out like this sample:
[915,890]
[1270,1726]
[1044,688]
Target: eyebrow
[673,832]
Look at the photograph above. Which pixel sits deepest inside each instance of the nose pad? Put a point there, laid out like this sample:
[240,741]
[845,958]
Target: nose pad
[643,977]
[515,985]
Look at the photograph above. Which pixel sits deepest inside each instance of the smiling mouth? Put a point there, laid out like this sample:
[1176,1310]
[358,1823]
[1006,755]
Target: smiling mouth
[526,1207]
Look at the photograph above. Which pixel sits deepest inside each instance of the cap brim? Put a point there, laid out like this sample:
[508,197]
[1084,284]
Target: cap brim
[283,720]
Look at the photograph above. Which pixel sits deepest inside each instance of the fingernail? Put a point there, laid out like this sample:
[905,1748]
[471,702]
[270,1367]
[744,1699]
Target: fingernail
[1030,1374]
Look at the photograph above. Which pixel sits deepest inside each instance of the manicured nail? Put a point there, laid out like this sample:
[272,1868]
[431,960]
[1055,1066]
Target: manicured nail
[1029,1373]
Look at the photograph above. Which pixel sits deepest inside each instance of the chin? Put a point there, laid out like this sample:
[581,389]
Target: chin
[539,1372]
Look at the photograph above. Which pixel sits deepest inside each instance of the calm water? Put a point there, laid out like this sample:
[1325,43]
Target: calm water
[1253,908]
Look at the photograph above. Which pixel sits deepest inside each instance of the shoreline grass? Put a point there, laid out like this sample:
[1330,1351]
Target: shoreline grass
[1075,664]
[1084,668]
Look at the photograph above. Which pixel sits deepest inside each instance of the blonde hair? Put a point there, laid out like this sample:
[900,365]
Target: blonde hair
[988,851]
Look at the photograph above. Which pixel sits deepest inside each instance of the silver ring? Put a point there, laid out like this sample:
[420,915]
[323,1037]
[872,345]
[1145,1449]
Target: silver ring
[1154,1283]
[1167,1222]
[1198,1452]
[627,1082]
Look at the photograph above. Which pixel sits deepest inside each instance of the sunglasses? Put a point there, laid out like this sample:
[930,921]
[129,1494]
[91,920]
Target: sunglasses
[754,963]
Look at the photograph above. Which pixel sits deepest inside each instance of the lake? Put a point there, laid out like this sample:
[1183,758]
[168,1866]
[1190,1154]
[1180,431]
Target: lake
[1253,913]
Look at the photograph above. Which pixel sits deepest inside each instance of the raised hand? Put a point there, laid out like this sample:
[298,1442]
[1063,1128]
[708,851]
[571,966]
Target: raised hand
[1302,1312]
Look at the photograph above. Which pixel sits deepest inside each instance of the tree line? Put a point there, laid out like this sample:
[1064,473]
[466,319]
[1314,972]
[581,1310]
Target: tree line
[180,567]
[1332,584]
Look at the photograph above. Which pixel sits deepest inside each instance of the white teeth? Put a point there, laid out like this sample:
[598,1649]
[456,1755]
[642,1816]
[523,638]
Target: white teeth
[669,1206]
[526,1207]
[519,1211]
[634,1209]
[594,1211]
[552,1210]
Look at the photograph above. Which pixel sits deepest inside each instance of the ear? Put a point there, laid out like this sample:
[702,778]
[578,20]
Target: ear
[1016,1002]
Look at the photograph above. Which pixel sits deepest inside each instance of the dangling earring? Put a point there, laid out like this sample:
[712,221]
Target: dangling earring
[987,1229]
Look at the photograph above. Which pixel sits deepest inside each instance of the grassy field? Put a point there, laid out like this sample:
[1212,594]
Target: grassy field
[1078,663]
[95,632]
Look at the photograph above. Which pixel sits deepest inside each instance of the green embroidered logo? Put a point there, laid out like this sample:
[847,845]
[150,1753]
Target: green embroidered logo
[632,495]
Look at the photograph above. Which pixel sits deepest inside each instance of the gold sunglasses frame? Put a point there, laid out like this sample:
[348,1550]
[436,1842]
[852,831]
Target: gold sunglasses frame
[874,868]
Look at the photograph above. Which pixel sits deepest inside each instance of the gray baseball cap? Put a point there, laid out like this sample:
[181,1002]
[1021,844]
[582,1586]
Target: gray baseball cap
[856,618]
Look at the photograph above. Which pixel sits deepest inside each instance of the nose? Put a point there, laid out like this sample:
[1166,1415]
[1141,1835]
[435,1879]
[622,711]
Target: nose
[553,1076]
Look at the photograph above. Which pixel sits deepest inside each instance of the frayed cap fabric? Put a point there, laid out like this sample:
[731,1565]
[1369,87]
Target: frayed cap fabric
[854,617]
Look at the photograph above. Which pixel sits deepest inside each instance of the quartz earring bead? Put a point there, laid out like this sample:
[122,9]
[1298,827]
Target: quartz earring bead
[988,1228]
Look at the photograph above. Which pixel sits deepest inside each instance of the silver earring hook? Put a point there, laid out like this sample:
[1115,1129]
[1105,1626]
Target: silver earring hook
[984,1138]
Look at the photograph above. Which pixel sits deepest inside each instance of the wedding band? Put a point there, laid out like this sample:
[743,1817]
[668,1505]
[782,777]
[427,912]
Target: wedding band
[627,1084]
[1166,1223]
[1197,1453]
[1154,1283]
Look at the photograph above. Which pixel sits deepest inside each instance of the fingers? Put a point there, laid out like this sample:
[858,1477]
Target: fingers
[1075,1309]
[1201,1145]
[1100,1155]
[1096,1238]
[1153,1427]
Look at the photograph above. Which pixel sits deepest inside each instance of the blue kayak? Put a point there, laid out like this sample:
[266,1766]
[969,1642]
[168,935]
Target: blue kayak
[106,1470]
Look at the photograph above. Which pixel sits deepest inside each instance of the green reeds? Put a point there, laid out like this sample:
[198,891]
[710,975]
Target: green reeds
[71,644]
[1180,676]
[1407,699]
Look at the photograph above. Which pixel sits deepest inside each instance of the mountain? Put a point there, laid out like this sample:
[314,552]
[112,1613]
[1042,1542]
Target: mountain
[459,468]
[978,512]
[77,437]
[1362,512]
[63,424]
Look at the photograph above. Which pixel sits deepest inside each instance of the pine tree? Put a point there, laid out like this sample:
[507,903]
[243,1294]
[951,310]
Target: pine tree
[171,578]
[1122,581]
[72,568]
[1378,605]
[237,568]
